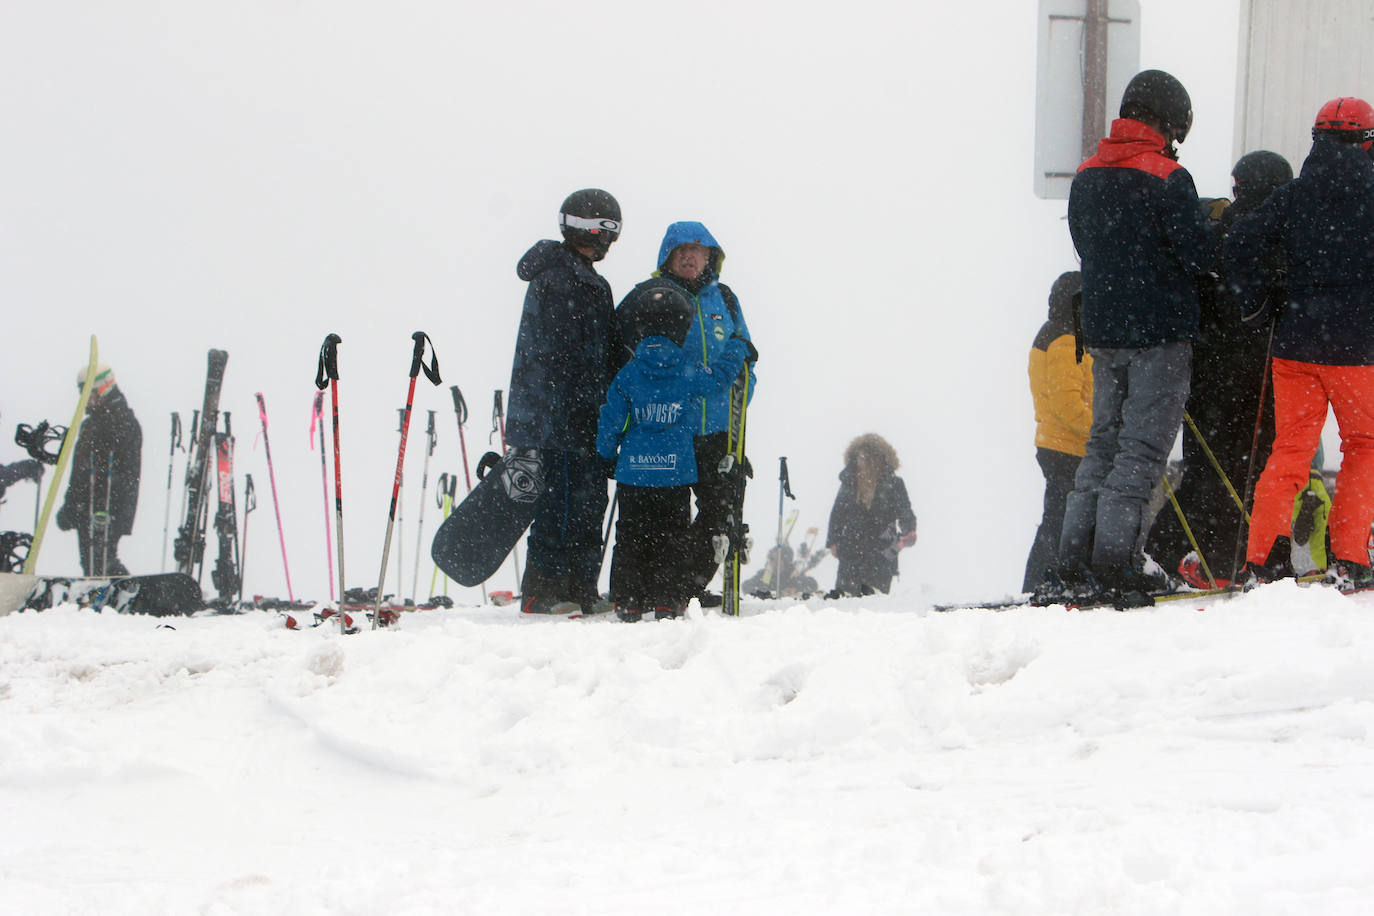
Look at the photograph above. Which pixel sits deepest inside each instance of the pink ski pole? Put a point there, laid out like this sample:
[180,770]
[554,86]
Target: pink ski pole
[317,420]
[272,478]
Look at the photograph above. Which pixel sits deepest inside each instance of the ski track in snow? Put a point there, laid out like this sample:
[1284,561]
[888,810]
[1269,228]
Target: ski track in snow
[857,756]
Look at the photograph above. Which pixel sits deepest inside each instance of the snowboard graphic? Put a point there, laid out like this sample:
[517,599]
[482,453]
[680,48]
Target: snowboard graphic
[476,538]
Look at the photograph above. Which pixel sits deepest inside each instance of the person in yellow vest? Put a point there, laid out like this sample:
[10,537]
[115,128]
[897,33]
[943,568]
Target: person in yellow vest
[1061,383]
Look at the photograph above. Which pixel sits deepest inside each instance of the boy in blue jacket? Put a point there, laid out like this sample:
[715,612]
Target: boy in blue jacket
[650,415]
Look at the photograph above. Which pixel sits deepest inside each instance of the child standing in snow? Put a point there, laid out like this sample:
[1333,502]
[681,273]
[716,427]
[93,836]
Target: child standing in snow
[646,426]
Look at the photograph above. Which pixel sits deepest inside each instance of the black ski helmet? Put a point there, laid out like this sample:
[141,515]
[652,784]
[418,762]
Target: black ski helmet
[660,310]
[590,218]
[1256,175]
[1159,97]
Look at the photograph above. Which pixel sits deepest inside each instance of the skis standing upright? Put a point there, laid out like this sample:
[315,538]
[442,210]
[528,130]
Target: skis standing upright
[189,547]
[226,577]
[735,467]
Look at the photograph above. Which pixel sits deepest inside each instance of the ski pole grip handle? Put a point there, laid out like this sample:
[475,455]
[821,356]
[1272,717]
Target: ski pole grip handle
[417,358]
[460,406]
[329,362]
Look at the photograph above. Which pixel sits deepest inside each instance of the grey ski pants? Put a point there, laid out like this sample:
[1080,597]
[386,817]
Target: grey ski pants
[1138,401]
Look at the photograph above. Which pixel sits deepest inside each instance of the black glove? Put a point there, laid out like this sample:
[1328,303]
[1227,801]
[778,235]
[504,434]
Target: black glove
[29,469]
[65,522]
[608,468]
[752,356]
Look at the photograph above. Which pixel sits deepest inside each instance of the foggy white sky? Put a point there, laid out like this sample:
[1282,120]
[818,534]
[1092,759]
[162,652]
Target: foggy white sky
[254,176]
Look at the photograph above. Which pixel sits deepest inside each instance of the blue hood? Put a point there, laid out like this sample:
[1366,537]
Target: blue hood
[696,233]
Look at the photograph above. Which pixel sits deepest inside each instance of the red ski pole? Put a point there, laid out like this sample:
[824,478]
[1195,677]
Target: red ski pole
[432,373]
[327,376]
[317,420]
[460,407]
[276,507]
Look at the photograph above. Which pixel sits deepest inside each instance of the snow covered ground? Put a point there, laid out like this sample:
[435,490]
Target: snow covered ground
[856,757]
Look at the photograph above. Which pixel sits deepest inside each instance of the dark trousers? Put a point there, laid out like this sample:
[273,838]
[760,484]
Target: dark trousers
[648,568]
[1058,468]
[713,497]
[99,555]
[1225,404]
[565,536]
[1138,400]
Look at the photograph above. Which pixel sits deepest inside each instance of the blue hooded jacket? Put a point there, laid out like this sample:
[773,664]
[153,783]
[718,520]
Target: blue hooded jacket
[1324,221]
[564,355]
[648,411]
[719,317]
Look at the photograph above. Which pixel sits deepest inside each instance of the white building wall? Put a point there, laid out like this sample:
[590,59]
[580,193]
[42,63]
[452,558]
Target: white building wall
[1295,55]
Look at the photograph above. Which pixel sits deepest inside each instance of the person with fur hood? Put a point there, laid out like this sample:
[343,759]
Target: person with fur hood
[871,520]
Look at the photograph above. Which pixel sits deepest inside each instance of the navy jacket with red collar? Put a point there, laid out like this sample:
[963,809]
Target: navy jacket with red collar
[1143,239]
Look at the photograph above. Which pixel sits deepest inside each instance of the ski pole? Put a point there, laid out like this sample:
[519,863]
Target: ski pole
[460,407]
[498,423]
[431,439]
[250,502]
[401,421]
[1188,531]
[171,459]
[90,524]
[276,507]
[784,490]
[445,487]
[1237,556]
[105,545]
[1216,465]
[317,419]
[327,376]
[432,373]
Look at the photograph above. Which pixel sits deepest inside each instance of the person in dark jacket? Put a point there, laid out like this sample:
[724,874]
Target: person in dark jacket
[564,361]
[1230,362]
[691,259]
[1061,383]
[102,494]
[871,520]
[1143,239]
[646,426]
[1323,347]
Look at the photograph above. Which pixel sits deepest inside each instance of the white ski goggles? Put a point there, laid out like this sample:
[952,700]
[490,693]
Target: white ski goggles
[595,224]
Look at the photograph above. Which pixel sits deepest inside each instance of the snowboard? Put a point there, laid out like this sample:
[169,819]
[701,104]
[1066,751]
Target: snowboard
[475,539]
[160,595]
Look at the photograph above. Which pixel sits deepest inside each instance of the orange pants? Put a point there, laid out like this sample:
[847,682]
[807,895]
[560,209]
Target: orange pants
[1302,392]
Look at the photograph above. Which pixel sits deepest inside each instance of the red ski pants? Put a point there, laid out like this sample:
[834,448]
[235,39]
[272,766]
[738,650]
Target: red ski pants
[1302,392]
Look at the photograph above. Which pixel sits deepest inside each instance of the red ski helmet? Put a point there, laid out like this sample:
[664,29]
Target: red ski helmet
[1347,119]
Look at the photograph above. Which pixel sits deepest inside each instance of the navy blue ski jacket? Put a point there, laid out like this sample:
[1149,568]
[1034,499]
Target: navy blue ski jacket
[1143,239]
[1324,222]
[649,411]
[719,317]
[564,352]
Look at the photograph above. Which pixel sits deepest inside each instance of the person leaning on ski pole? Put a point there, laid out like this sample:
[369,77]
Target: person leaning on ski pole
[691,259]
[564,362]
[1323,345]
[1144,243]
[102,494]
